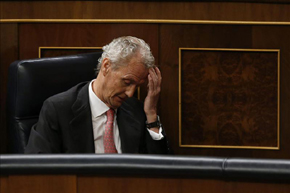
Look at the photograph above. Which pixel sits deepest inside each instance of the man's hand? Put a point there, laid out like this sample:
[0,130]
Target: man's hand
[151,100]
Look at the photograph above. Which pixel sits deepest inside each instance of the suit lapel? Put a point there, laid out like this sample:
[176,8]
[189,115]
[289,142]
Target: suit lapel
[81,124]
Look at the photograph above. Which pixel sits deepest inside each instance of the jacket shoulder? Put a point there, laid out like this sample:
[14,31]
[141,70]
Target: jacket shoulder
[70,93]
[67,97]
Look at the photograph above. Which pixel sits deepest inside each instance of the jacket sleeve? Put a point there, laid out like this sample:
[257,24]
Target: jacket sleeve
[156,146]
[45,135]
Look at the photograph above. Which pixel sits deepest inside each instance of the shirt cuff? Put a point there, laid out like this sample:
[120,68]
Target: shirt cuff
[156,136]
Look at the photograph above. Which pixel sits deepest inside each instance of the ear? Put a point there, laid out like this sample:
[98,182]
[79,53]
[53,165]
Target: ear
[106,66]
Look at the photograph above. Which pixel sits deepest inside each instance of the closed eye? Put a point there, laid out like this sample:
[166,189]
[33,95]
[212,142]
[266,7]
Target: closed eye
[127,82]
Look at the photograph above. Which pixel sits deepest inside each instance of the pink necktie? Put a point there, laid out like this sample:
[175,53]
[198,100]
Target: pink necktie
[109,144]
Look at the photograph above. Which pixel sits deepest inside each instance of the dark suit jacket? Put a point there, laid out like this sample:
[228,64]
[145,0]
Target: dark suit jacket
[65,126]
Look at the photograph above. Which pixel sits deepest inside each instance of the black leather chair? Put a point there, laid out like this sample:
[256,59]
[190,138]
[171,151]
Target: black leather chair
[32,81]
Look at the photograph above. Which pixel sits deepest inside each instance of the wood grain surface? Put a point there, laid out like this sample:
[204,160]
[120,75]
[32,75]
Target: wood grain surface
[229,98]
[8,54]
[173,185]
[42,183]
[220,36]
[3,184]
[233,11]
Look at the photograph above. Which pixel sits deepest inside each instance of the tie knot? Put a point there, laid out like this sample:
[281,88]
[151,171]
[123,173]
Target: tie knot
[110,115]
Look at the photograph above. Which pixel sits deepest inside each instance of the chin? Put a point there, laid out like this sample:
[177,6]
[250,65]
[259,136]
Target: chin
[115,105]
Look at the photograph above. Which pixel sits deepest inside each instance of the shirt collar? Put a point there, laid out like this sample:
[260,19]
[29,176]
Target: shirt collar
[98,107]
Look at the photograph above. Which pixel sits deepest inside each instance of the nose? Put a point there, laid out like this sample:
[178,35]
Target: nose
[130,91]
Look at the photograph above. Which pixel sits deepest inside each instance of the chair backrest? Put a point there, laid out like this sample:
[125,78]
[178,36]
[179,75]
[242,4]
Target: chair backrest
[30,82]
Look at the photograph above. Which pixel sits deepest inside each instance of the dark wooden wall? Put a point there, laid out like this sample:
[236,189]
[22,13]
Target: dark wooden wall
[255,10]
[115,184]
[21,38]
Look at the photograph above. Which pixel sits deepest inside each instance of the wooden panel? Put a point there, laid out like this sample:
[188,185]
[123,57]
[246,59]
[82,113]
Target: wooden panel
[256,187]
[172,37]
[220,36]
[229,98]
[33,36]
[3,184]
[42,183]
[8,54]
[278,38]
[168,185]
[56,51]
[145,10]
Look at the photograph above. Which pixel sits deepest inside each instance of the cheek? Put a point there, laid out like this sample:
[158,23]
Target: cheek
[116,88]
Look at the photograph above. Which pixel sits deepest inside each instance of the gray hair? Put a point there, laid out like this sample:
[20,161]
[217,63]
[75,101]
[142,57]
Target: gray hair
[121,50]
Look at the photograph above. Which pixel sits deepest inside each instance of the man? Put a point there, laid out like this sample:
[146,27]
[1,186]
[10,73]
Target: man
[102,116]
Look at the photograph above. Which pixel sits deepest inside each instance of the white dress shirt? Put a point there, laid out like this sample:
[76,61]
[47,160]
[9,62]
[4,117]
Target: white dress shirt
[99,119]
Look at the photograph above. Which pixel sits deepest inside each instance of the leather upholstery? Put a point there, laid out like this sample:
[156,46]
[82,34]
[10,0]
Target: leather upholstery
[32,81]
[258,168]
[148,165]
